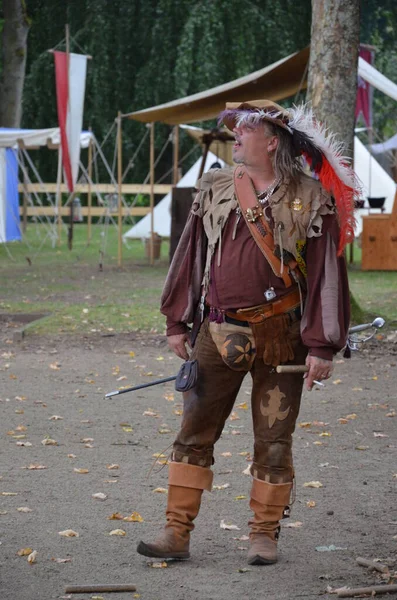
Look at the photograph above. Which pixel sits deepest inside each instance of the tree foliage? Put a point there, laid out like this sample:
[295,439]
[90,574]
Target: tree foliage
[147,52]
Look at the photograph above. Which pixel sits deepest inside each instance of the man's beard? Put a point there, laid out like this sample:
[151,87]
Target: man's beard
[238,161]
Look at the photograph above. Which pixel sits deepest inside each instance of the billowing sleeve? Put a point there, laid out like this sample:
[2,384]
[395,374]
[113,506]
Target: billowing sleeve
[326,317]
[181,293]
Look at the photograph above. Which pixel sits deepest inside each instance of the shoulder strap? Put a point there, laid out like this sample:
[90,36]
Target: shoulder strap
[257,224]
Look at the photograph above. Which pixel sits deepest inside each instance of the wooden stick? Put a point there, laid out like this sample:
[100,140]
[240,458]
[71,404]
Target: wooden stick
[119,196]
[292,369]
[373,590]
[89,589]
[151,246]
[89,199]
[364,562]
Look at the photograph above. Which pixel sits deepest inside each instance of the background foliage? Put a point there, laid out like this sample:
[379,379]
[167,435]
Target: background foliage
[147,52]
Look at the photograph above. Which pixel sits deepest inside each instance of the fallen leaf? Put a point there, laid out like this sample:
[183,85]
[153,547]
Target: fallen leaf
[343,421]
[32,557]
[310,504]
[357,389]
[159,455]
[234,417]
[113,466]
[178,411]
[24,509]
[21,428]
[99,496]
[226,453]
[294,524]
[72,456]
[247,471]
[87,440]
[68,533]
[158,565]
[81,471]
[161,490]
[33,467]
[160,358]
[3,512]
[235,432]
[150,413]
[325,434]
[242,406]
[164,430]
[118,532]
[128,429]
[49,442]
[61,560]
[25,551]
[9,494]
[318,443]
[313,484]
[24,444]
[228,526]
[221,487]
[391,413]
[337,381]
[243,570]
[116,517]
[330,548]
[352,416]
[243,538]
[170,397]
[377,434]
[362,447]
[55,418]
[55,366]
[305,424]
[240,497]
[134,518]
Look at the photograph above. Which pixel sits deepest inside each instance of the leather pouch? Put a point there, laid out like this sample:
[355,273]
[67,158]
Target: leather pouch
[187,376]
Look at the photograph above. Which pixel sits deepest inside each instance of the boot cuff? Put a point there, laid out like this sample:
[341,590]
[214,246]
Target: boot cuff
[272,494]
[190,476]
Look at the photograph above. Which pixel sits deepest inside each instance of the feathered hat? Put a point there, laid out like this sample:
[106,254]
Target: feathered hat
[311,140]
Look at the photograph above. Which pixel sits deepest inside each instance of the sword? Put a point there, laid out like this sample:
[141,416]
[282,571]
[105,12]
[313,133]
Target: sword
[141,386]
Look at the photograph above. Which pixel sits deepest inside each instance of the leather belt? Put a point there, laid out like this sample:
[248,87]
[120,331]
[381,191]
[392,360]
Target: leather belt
[257,314]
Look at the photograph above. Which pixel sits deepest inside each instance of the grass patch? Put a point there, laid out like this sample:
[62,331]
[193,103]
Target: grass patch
[86,292]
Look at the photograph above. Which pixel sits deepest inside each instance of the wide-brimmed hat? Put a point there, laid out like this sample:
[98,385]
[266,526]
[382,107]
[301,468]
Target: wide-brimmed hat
[252,112]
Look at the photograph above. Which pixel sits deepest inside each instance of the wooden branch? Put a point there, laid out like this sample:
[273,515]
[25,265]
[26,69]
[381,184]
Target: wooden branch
[364,562]
[373,590]
[89,589]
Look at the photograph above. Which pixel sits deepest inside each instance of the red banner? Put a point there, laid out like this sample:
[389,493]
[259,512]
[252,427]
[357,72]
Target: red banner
[364,91]
[62,91]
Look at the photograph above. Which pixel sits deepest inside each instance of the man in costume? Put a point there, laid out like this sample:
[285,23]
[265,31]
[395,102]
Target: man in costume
[260,265]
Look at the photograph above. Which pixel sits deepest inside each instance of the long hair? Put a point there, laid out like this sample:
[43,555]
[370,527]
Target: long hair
[287,166]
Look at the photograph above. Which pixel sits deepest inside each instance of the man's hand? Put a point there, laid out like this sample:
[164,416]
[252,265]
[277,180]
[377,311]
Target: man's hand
[319,369]
[177,343]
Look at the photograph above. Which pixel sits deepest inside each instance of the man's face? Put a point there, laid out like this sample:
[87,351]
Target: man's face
[251,145]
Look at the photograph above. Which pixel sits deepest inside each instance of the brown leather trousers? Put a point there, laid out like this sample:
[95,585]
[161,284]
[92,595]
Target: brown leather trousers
[275,403]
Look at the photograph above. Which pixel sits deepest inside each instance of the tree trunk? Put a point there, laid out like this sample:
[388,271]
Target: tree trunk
[14,47]
[332,80]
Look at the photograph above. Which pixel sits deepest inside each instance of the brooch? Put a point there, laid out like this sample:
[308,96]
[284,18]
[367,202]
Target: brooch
[297,204]
[254,213]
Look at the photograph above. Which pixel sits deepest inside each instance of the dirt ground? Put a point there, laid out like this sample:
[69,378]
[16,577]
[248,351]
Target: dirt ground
[53,389]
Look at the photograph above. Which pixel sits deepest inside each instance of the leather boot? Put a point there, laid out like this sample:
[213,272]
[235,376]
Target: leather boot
[268,501]
[185,488]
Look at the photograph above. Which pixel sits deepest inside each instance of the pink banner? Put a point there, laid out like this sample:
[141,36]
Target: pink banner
[62,91]
[364,91]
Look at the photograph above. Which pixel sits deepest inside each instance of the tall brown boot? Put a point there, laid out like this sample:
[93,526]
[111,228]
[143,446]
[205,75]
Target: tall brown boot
[185,488]
[268,501]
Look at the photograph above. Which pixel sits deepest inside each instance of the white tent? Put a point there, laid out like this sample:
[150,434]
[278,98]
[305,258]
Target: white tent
[374,180]
[162,212]
[31,138]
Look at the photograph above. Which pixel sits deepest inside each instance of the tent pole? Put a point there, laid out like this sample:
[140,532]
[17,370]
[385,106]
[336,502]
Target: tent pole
[151,245]
[59,195]
[25,196]
[71,214]
[120,182]
[89,199]
[203,160]
[175,178]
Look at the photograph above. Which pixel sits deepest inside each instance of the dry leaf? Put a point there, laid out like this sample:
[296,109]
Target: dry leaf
[357,389]
[337,381]
[377,434]
[325,434]
[118,532]
[247,471]
[234,417]
[161,490]
[243,538]
[99,496]
[158,565]
[55,418]
[68,533]
[113,466]
[352,416]
[72,456]
[221,487]
[81,471]
[226,453]
[159,455]
[134,518]
[170,397]
[34,467]
[242,406]
[131,354]
[24,509]
[318,443]
[310,504]
[49,442]
[240,497]
[55,366]
[87,440]
[164,430]
[228,526]
[3,512]
[150,413]
[61,560]
[24,444]
[294,524]
[343,421]
[178,411]
[32,557]
[9,494]
[313,484]
[392,413]
[21,428]
[116,517]
[362,447]
[24,551]
[305,424]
